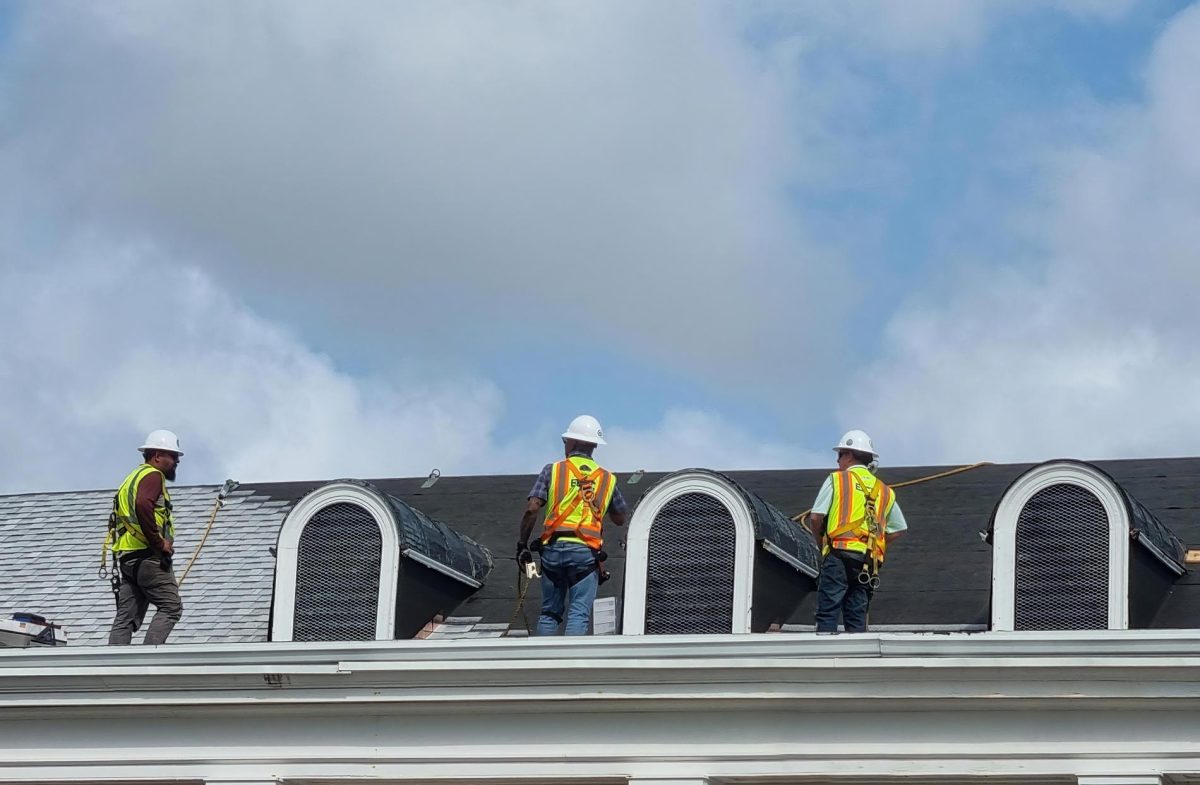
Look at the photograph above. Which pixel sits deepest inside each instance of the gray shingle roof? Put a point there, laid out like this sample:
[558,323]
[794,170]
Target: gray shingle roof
[226,597]
[939,574]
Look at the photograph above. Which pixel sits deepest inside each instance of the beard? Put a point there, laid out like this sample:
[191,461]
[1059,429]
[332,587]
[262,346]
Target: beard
[170,474]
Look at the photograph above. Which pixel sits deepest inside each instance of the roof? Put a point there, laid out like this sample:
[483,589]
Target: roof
[939,574]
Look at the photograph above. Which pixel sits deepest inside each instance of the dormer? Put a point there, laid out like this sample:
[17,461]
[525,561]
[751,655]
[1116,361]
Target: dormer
[355,563]
[705,555]
[1073,550]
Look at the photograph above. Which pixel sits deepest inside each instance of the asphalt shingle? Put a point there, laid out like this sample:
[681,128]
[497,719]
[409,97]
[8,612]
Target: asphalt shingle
[939,574]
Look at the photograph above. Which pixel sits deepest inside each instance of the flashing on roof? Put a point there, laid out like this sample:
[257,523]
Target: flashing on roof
[433,477]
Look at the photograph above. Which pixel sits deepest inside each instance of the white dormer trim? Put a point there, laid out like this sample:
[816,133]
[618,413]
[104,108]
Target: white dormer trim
[1004,538]
[283,623]
[638,546]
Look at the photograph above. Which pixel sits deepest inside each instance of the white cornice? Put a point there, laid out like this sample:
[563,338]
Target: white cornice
[1004,668]
[988,707]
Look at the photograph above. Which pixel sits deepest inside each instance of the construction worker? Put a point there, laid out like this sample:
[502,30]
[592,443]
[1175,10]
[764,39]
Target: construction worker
[143,535]
[577,493]
[855,518]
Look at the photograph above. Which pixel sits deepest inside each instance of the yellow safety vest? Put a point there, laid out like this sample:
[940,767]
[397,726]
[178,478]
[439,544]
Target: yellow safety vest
[127,533]
[577,500]
[848,526]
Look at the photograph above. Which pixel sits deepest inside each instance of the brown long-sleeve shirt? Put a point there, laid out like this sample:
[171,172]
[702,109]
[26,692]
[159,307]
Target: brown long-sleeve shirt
[149,491]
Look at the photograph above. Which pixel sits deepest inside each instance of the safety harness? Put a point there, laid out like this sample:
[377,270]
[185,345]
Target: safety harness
[875,537]
[111,572]
[593,491]
[588,487]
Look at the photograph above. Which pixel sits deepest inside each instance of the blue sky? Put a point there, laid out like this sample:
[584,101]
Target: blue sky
[390,238]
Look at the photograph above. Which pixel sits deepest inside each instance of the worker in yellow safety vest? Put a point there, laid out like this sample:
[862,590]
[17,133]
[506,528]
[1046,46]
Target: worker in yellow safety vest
[854,518]
[577,494]
[142,537]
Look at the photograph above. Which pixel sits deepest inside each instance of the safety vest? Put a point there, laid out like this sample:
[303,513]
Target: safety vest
[127,533]
[858,515]
[579,495]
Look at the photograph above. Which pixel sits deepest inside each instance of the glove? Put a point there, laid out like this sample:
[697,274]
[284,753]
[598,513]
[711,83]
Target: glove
[524,555]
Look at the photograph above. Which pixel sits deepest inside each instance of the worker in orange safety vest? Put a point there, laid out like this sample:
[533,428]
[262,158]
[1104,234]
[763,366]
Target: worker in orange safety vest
[577,494]
[854,518]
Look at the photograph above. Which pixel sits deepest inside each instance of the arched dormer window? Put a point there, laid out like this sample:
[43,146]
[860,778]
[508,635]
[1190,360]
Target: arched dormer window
[1072,550]
[704,555]
[354,563]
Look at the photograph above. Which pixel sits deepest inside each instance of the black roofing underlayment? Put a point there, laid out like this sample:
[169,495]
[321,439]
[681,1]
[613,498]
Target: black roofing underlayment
[770,523]
[432,538]
[938,574]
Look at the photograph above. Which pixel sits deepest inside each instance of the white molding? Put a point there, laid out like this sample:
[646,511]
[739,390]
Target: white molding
[1120,779]
[1157,552]
[637,546]
[1005,531]
[1106,707]
[283,622]
[437,566]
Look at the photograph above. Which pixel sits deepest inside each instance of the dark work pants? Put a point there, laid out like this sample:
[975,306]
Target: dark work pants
[146,581]
[839,594]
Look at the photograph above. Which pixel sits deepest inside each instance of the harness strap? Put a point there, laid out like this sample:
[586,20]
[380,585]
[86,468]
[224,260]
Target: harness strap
[587,493]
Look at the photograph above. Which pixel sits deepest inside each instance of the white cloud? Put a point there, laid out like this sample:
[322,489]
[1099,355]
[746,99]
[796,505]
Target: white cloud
[688,438]
[623,165]
[1088,348]
[929,27]
[116,346]
[121,346]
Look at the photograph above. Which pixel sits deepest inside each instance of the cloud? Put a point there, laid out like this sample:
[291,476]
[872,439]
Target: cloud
[687,438]
[115,345]
[623,165]
[929,28]
[128,344]
[1086,348]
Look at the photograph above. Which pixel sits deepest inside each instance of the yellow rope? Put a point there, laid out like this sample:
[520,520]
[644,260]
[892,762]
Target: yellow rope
[220,502]
[918,481]
[520,609]
[939,476]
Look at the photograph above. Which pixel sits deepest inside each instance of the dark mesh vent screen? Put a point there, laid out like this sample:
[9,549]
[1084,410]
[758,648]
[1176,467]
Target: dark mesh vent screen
[1062,561]
[337,575]
[689,571]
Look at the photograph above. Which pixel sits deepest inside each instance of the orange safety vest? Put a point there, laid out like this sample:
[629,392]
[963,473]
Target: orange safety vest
[579,495]
[858,514]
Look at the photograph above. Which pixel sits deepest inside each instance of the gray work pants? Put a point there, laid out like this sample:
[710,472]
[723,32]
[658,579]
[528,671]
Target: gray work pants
[146,581]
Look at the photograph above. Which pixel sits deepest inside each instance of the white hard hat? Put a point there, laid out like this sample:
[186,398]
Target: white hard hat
[585,428]
[166,441]
[858,441]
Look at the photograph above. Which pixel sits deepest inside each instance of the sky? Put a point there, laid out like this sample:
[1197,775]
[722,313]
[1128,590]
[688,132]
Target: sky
[372,239]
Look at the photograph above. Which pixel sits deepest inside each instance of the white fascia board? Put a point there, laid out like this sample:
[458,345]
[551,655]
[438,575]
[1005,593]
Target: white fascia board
[437,566]
[936,669]
[1155,551]
[575,741]
[143,659]
[764,769]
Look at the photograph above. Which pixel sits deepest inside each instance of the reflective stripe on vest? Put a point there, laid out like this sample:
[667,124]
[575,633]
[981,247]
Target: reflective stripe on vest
[128,535]
[578,498]
[848,526]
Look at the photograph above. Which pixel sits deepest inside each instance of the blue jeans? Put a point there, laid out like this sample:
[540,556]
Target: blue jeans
[562,563]
[839,594]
